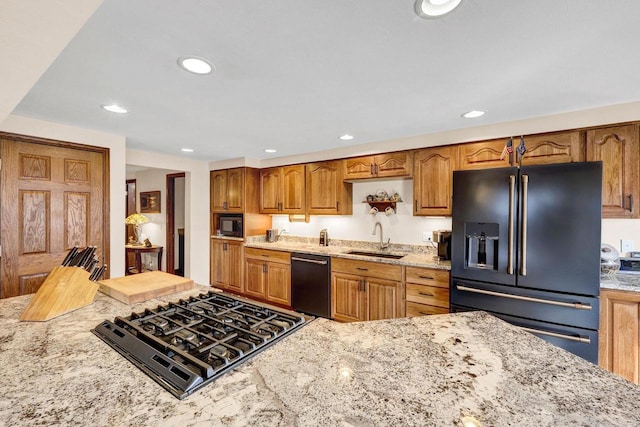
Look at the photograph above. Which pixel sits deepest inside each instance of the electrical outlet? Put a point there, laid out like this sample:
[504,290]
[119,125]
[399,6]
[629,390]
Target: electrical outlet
[285,229]
[626,246]
[426,236]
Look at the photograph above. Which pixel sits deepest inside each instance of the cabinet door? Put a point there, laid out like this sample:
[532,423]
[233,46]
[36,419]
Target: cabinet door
[279,283]
[293,189]
[235,190]
[255,275]
[483,155]
[347,298]
[619,347]
[270,189]
[433,181]
[326,192]
[234,264]
[384,299]
[617,147]
[218,188]
[393,164]
[564,147]
[359,168]
[218,268]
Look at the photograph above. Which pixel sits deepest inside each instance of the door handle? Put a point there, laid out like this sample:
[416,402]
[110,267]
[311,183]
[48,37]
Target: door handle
[585,340]
[314,261]
[523,247]
[576,305]
[512,185]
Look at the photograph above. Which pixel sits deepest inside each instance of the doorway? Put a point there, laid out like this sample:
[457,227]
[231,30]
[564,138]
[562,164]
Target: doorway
[175,223]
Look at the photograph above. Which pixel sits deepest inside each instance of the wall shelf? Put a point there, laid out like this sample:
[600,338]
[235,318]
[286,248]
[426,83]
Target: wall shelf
[382,205]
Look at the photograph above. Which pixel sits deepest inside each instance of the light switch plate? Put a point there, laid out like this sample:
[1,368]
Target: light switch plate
[626,246]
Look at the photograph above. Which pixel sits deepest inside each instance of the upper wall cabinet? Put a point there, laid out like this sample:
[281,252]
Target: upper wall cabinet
[562,147]
[387,165]
[617,147]
[282,190]
[235,190]
[482,155]
[433,180]
[327,193]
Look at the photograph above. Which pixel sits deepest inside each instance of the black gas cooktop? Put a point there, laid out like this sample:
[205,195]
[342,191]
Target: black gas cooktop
[189,343]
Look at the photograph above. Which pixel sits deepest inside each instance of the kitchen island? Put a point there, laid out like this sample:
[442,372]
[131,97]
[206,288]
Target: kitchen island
[413,371]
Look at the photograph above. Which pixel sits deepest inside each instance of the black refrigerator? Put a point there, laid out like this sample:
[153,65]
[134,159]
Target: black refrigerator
[525,247]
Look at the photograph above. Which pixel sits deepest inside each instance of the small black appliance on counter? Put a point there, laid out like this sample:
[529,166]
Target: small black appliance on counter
[443,241]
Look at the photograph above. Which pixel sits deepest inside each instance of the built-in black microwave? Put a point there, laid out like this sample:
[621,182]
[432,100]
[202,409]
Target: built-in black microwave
[231,225]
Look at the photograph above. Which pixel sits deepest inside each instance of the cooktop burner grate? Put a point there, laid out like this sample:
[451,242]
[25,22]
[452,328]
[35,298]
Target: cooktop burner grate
[187,344]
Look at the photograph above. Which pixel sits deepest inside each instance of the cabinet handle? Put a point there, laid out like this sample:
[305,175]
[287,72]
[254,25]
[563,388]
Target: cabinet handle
[264,268]
[426,294]
[630,196]
[224,205]
[415,205]
[264,255]
[224,246]
[371,168]
[279,206]
[360,285]
[362,269]
[364,285]
[426,277]
[337,206]
[377,170]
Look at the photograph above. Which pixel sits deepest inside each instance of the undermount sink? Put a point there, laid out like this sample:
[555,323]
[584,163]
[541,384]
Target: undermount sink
[375,254]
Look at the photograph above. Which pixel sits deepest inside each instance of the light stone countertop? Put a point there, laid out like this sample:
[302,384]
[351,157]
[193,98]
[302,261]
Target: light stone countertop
[423,371]
[620,281]
[414,255]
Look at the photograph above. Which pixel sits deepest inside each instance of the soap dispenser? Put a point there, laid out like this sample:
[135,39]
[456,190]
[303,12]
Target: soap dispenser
[324,237]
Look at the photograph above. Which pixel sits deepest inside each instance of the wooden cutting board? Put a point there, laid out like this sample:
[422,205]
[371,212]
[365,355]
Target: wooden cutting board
[144,286]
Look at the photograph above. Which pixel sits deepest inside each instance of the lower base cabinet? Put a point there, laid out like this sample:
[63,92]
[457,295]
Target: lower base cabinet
[619,334]
[268,275]
[427,291]
[362,290]
[226,265]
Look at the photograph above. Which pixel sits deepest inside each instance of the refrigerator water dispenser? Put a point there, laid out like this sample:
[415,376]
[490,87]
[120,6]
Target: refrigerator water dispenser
[481,245]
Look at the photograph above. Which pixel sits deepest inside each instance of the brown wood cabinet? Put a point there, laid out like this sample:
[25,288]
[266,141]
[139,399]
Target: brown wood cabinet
[617,147]
[364,290]
[268,275]
[227,190]
[483,154]
[282,190]
[327,193]
[226,265]
[427,291]
[618,347]
[560,147]
[433,181]
[397,164]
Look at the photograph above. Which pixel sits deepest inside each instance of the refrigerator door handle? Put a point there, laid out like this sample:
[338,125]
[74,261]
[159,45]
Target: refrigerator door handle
[512,185]
[585,340]
[523,247]
[576,305]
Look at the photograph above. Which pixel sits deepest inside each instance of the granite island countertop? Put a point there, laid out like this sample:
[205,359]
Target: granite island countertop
[419,371]
[621,281]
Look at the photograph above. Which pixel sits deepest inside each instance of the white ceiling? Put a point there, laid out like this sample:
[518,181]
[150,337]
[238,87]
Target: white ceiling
[295,74]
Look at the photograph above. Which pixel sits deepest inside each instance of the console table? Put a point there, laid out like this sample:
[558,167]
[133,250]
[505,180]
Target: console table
[137,251]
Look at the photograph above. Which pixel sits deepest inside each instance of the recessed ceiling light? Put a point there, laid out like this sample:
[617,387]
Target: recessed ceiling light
[114,108]
[195,65]
[435,8]
[346,137]
[473,114]
[270,150]
[187,150]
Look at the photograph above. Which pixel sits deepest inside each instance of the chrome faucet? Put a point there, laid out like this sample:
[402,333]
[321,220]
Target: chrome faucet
[382,244]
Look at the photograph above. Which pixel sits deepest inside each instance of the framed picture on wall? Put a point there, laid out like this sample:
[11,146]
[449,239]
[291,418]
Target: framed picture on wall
[149,202]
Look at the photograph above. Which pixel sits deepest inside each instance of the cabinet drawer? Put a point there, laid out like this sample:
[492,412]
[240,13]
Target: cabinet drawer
[367,268]
[431,295]
[268,255]
[414,309]
[428,276]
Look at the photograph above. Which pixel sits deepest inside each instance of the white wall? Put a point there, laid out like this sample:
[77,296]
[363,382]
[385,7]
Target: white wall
[614,230]
[401,227]
[196,219]
[117,171]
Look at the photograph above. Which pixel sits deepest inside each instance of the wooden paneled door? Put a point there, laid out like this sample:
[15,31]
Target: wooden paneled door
[54,196]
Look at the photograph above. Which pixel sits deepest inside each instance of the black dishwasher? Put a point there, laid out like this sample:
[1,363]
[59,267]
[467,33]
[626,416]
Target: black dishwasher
[310,284]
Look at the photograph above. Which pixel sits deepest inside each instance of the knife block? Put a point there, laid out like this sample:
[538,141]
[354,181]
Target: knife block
[64,290]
